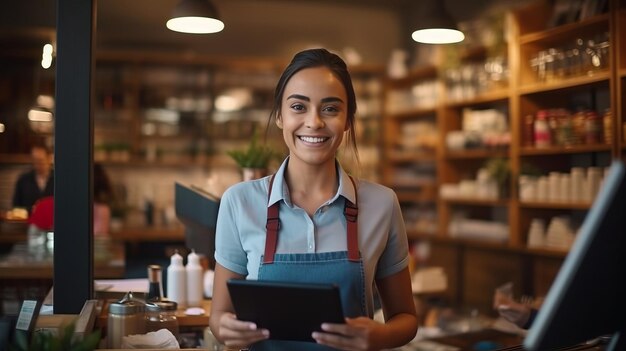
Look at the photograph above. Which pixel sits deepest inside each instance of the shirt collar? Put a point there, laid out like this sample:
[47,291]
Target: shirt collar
[280,191]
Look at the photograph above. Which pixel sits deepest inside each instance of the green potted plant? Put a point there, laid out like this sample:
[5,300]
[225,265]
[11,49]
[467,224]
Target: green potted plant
[499,169]
[254,159]
[64,341]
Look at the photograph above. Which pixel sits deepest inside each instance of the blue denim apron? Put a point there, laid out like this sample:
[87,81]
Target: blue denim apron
[342,268]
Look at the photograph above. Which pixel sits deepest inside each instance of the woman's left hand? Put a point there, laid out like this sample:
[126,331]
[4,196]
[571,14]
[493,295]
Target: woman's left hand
[356,334]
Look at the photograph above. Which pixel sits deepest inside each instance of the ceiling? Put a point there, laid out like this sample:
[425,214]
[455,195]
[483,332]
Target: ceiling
[254,28]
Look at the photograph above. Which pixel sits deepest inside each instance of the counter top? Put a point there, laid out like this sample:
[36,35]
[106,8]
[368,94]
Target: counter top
[184,320]
[24,262]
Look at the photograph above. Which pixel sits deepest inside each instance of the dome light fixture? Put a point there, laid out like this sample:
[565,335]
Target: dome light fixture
[436,25]
[195,17]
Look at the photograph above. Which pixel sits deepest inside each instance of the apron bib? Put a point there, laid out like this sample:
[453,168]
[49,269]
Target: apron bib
[342,268]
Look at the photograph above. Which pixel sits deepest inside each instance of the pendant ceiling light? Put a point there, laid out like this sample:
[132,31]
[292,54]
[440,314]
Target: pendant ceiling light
[195,16]
[436,26]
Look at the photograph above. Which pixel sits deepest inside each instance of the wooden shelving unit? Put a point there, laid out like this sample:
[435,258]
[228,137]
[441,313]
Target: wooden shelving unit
[603,87]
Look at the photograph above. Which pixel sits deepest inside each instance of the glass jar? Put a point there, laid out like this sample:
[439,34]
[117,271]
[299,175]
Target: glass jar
[162,315]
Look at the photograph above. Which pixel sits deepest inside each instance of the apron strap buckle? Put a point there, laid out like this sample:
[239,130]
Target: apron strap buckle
[351,213]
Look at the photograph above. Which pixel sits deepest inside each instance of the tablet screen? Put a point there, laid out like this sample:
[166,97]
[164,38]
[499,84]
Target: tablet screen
[290,311]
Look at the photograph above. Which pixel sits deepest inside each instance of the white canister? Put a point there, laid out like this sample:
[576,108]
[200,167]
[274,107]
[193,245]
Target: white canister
[195,280]
[554,187]
[542,189]
[577,182]
[527,188]
[177,280]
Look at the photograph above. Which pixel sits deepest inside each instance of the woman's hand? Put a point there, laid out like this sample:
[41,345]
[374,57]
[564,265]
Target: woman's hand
[357,334]
[239,334]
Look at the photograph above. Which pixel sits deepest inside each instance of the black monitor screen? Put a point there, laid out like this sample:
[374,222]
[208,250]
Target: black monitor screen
[587,299]
[197,210]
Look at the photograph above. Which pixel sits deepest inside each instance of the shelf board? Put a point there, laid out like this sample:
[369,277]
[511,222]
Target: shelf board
[483,244]
[412,157]
[417,195]
[475,154]
[567,30]
[622,72]
[410,184]
[556,205]
[575,149]
[415,113]
[15,159]
[571,82]
[477,202]
[492,96]
[420,73]
[420,235]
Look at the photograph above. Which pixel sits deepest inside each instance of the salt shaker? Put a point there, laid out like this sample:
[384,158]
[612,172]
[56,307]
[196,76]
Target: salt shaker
[126,317]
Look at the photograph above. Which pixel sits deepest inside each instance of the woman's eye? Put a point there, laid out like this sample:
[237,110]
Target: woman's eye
[297,107]
[330,109]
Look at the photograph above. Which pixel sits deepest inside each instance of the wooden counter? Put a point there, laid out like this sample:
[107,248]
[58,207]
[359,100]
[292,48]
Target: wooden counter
[24,263]
[184,321]
[149,234]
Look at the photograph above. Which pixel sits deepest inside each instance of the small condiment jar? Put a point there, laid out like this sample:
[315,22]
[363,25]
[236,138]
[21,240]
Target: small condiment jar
[162,315]
[126,317]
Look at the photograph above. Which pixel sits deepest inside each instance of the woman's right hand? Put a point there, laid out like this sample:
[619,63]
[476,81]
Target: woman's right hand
[239,334]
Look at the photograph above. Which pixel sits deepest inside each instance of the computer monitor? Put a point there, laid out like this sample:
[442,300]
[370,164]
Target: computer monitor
[197,210]
[588,297]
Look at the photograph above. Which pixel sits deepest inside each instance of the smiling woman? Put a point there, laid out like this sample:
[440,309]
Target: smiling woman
[305,218]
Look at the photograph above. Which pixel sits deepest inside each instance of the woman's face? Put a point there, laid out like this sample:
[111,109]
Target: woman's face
[313,115]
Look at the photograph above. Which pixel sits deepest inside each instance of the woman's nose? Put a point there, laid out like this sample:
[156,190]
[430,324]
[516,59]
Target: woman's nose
[314,121]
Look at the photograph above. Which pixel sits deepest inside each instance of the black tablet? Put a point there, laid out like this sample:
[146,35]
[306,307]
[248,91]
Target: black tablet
[290,311]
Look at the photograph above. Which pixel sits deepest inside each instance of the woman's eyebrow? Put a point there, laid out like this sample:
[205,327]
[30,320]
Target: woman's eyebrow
[306,98]
[299,97]
[332,99]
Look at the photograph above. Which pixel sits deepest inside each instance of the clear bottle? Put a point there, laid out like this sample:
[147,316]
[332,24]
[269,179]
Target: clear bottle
[155,283]
[177,280]
[195,281]
[162,315]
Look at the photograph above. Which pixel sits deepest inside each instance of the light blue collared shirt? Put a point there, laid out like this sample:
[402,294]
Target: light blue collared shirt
[240,230]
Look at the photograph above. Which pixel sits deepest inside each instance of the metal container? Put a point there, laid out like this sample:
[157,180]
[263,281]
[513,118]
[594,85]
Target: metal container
[126,317]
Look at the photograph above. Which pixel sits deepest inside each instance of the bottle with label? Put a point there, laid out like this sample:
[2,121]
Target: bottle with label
[177,280]
[543,138]
[195,281]
[593,128]
[155,284]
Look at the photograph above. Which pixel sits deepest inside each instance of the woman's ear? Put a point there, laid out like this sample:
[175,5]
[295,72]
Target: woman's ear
[279,122]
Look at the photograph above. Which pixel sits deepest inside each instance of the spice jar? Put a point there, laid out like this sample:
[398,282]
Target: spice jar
[593,128]
[542,130]
[162,315]
[126,317]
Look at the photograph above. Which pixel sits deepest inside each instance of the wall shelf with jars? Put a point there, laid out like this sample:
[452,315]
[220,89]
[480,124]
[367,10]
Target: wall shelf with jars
[545,134]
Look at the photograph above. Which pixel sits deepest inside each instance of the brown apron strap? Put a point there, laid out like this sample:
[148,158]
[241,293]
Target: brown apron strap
[271,226]
[350,211]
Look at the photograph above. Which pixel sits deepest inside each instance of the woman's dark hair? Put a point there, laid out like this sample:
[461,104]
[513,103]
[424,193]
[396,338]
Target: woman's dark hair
[312,58]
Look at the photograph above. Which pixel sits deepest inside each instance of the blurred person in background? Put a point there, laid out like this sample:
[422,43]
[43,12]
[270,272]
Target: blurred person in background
[36,183]
[102,200]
